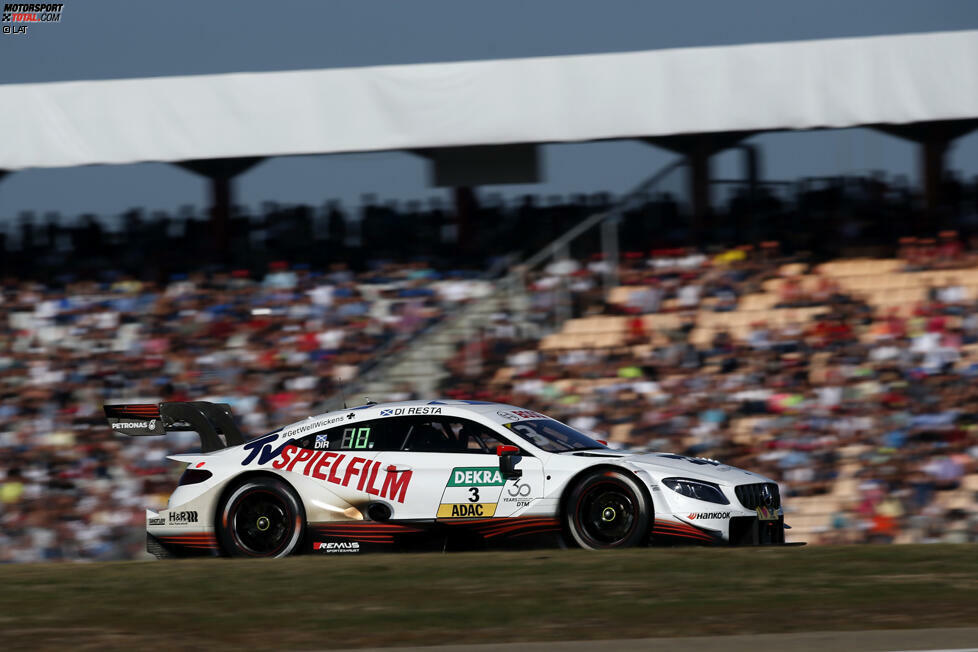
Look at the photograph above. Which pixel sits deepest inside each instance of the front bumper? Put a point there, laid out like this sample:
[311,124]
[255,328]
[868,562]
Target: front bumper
[738,531]
[752,531]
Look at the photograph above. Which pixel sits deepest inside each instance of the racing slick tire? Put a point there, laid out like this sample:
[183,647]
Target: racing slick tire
[260,517]
[607,509]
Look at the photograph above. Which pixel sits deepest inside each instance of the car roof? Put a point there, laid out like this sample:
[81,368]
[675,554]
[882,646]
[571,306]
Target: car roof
[379,410]
[465,405]
[496,412]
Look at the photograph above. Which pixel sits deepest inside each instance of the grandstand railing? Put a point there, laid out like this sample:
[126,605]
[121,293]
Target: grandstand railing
[513,284]
[608,223]
[394,351]
[640,193]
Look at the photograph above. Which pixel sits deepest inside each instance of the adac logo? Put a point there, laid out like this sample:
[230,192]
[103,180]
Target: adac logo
[466,510]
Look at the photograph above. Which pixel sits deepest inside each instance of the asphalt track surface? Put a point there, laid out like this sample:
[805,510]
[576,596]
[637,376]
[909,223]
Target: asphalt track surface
[964,639]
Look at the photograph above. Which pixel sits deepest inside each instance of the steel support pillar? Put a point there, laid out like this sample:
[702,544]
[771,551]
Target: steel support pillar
[935,140]
[699,189]
[698,148]
[933,156]
[609,251]
[466,207]
[563,308]
[221,172]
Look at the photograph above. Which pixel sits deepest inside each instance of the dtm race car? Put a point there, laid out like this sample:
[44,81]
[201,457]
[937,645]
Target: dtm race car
[443,474]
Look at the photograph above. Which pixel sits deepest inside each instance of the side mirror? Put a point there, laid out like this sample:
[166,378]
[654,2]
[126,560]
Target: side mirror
[509,457]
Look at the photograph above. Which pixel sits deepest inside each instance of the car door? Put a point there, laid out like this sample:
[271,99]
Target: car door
[340,459]
[454,471]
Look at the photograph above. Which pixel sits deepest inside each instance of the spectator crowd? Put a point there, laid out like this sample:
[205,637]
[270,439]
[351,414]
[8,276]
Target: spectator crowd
[868,407]
[866,414]
[272,347]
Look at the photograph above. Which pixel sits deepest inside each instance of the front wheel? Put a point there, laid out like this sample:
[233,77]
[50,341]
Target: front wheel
[260,517]
[607,509]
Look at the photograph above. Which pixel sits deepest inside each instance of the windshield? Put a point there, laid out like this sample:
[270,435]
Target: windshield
[553,436]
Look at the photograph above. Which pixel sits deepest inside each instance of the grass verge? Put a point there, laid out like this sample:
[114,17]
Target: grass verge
[348,601]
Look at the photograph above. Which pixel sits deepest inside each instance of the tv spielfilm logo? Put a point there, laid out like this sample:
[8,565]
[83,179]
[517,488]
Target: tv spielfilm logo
[18,17]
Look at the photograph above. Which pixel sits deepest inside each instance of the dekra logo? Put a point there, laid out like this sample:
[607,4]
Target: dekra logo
[488,476]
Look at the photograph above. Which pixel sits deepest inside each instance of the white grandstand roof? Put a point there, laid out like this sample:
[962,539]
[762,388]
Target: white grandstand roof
[771,86]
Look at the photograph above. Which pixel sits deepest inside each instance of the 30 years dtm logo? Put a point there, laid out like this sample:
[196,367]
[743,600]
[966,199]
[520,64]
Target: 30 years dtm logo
[17,17]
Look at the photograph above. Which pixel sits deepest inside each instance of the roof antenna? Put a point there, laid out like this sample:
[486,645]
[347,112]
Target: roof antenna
[342,392]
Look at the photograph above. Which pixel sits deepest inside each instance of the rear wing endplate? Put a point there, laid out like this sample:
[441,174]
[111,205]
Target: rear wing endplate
[210,421]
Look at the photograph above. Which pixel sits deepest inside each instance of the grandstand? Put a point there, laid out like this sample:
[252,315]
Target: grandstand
[821,331]
[817,367]
[847,378]
[850,342]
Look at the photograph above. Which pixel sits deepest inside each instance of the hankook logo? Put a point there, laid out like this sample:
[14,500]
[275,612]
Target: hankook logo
[708,515]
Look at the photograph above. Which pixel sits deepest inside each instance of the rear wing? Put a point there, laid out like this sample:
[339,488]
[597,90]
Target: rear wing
[210,421]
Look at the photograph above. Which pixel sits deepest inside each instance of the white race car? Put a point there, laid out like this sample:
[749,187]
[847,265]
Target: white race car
[442,474]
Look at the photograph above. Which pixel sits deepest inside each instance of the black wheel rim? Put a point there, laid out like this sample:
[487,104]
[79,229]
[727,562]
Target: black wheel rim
[606,514]
[261,523]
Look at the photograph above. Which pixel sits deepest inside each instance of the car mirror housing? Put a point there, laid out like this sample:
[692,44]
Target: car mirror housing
[509,457]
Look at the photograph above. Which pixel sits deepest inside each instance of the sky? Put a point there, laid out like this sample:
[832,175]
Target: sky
[111,39]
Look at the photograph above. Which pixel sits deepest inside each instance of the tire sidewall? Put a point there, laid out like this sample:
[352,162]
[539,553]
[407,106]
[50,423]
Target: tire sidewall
[225,536]
[643,517]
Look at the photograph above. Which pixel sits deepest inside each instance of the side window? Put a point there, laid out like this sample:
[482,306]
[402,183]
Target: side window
[363,436]
[425,435]
[446,435]
[475,437]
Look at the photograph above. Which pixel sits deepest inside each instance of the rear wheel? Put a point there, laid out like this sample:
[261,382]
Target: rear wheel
[261,517]
[607,509]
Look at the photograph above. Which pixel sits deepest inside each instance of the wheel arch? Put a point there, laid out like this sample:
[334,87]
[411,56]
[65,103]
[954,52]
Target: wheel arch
[235,481]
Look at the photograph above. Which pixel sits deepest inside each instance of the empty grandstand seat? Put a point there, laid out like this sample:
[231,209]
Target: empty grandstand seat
[792,269]
[757,301]
[970,482]
[662,321]
[621,293]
